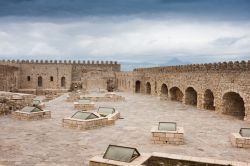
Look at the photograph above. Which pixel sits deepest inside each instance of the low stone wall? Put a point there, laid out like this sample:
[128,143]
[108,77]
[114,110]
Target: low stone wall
[87,107]
[75,96]
[87,124]
[108,99]
[168,137]
[9,102]
[160,159]
[31,116]
[240,142]
[43,91]
[114,116]
[100,161]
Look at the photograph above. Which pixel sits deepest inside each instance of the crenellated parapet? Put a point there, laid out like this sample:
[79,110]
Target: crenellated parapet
[67,62]
[239,66]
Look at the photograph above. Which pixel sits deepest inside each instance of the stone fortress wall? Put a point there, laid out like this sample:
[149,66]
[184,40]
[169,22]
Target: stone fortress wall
[41,77]
[222,87]
[8,78]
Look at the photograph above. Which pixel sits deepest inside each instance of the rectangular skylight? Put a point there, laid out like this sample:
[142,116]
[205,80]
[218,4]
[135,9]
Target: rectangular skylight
[84,115]
[83,101]
[121,153]
[245,132]
[167,126]
[105,111]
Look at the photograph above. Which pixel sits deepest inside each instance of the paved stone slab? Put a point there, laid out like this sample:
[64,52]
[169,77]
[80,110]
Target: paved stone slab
[46,142]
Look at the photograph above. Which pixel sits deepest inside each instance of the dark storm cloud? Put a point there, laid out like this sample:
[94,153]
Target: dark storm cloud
[130,31]
[217,9]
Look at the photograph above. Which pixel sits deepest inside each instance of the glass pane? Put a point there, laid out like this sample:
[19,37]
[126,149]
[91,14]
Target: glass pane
[27,109]
[81,115]
[36,102]
[118,153]
[245,132]
[92,116]
[36,110]
[167,126]
[105,111]
[84,101]
[84,98]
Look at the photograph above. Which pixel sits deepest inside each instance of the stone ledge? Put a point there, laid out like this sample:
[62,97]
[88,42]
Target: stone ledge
[238,141]
[100,161]
[31,116]
[87,106]
[87,124]
[167,137]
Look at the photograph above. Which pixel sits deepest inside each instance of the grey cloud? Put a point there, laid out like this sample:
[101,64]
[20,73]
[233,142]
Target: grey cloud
[228,41]
[215,9]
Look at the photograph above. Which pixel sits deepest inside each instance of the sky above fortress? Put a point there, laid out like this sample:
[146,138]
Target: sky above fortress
[133,31]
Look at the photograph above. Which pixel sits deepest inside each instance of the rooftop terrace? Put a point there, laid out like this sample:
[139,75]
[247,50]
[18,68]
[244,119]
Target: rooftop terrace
[46,142]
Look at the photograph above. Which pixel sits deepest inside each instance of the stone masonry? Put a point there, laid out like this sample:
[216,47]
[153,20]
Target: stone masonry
[240,142]
[41,77]
[168,137]
[221,87]
[31,116]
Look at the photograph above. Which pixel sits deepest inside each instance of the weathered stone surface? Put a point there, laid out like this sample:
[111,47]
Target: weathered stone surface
[41,77]
[13,101]
[31,116]
[206,133]
[223,87]
[240,142]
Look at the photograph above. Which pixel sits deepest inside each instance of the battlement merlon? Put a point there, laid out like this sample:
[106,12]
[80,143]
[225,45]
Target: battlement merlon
[241,66]
[58,62]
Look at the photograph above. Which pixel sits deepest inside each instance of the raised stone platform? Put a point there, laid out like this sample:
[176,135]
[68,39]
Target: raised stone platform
[240,142]
[168,137]
[109,97]
[165,159]
[31,116]
[87,124]
[13,101]
[84,106]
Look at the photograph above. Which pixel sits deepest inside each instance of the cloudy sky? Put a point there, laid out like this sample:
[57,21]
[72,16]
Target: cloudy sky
[133,31]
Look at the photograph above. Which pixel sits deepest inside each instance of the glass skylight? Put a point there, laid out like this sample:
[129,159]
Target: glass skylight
[30,109]
[36,102]
[105,111]
[121,153]
[84,115]
[245,132]
[84,101]
[167,126]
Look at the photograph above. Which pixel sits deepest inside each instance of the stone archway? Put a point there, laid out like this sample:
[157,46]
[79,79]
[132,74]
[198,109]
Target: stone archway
[164,91]
[137,86]
[233,105]
[148,88]
[208,100]
[191,96]
[176,94]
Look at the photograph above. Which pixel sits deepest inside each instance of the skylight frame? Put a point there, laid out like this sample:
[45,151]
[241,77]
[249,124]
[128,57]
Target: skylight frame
[168,123]
[124,147]
[240,132]
[103,115]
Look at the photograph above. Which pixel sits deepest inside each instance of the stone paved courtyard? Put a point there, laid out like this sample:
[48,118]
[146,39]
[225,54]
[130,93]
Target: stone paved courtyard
[46,142]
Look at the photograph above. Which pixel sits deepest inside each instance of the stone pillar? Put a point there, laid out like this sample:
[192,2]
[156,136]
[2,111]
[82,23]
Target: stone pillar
[247,111]
[200,100]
